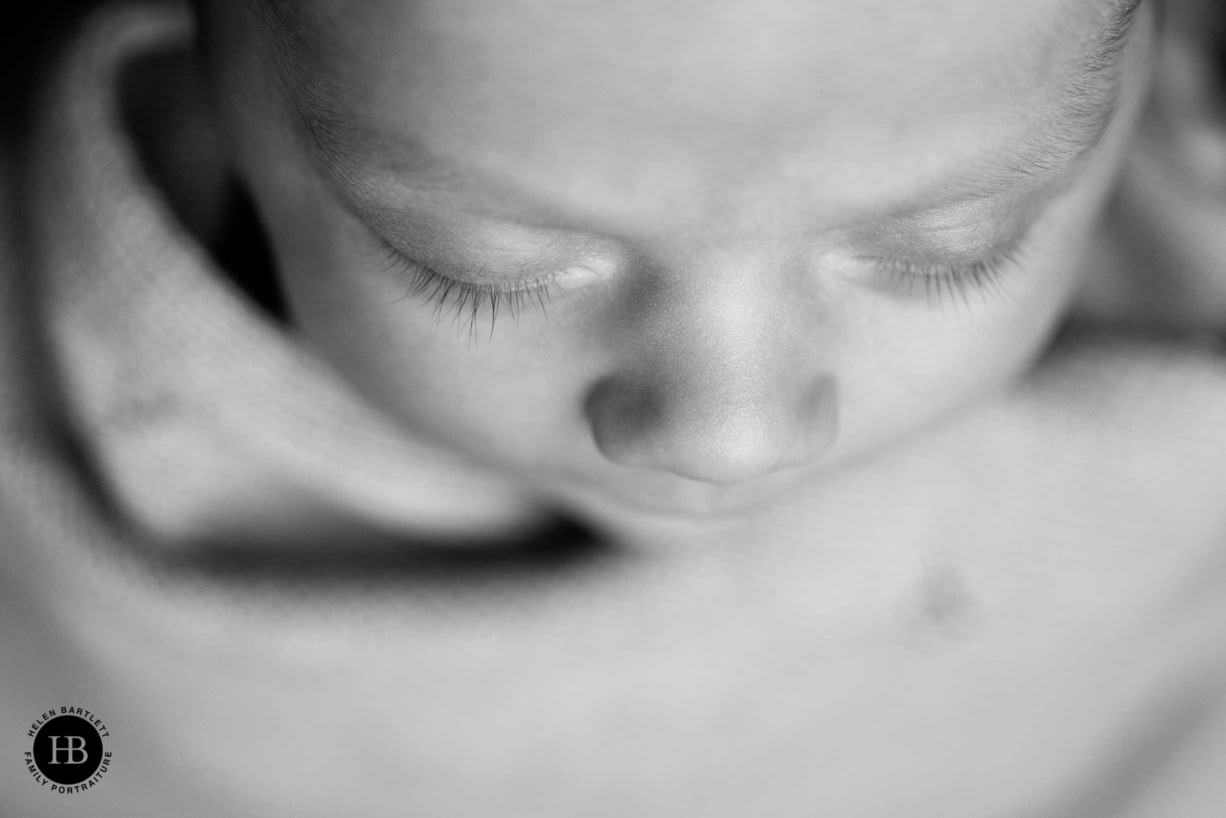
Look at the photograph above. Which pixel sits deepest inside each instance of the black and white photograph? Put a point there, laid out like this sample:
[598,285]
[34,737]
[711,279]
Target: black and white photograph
[613,409]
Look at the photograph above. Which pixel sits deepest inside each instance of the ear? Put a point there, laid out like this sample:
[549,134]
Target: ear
[1160,260]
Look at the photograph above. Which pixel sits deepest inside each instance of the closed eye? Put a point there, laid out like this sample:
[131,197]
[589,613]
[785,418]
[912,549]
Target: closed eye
[465,301]
[950,283]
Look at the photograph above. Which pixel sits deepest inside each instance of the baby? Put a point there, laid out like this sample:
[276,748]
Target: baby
[752,292]
[676,259]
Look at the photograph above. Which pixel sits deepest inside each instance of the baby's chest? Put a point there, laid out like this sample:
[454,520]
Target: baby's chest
[963,647]
[797,671]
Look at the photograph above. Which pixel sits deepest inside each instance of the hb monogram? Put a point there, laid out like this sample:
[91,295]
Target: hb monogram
[68,754]
[76,744]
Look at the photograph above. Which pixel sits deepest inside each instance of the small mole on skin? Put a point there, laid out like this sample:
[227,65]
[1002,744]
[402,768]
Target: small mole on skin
[946,606]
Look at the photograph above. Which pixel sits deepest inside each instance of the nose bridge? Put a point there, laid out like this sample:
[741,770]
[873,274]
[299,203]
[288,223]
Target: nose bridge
[731,321]
[721,384]
[724,340]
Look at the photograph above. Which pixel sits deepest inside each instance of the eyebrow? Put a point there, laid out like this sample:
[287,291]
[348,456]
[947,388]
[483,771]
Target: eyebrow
[1069,129]
[315,111]
[1076,124]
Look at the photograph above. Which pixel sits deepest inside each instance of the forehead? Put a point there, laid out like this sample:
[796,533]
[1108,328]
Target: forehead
[735,56]
[666,90]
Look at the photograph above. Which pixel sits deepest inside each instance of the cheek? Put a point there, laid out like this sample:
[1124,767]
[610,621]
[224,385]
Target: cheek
[921,368]
[352,309]
[502,400]
[907,365]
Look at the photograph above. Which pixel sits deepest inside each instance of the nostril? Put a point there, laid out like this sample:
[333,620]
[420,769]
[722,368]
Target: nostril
[619,415]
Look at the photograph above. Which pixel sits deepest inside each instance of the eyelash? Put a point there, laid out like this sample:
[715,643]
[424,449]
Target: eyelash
[462,298]
[950,282]
[947,281]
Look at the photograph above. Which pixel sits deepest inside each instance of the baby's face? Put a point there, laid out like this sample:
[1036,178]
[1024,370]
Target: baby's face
[677,255]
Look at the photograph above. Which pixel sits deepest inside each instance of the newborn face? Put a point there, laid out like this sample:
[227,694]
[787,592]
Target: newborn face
[677,255]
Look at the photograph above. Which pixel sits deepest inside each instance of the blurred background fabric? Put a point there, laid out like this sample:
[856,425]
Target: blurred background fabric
[27,32]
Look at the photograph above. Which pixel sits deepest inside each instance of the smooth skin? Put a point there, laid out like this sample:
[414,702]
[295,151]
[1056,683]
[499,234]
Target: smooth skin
[722,194]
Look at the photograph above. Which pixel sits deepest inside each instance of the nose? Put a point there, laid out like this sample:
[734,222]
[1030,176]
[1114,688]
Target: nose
[717,393]
[699,431]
